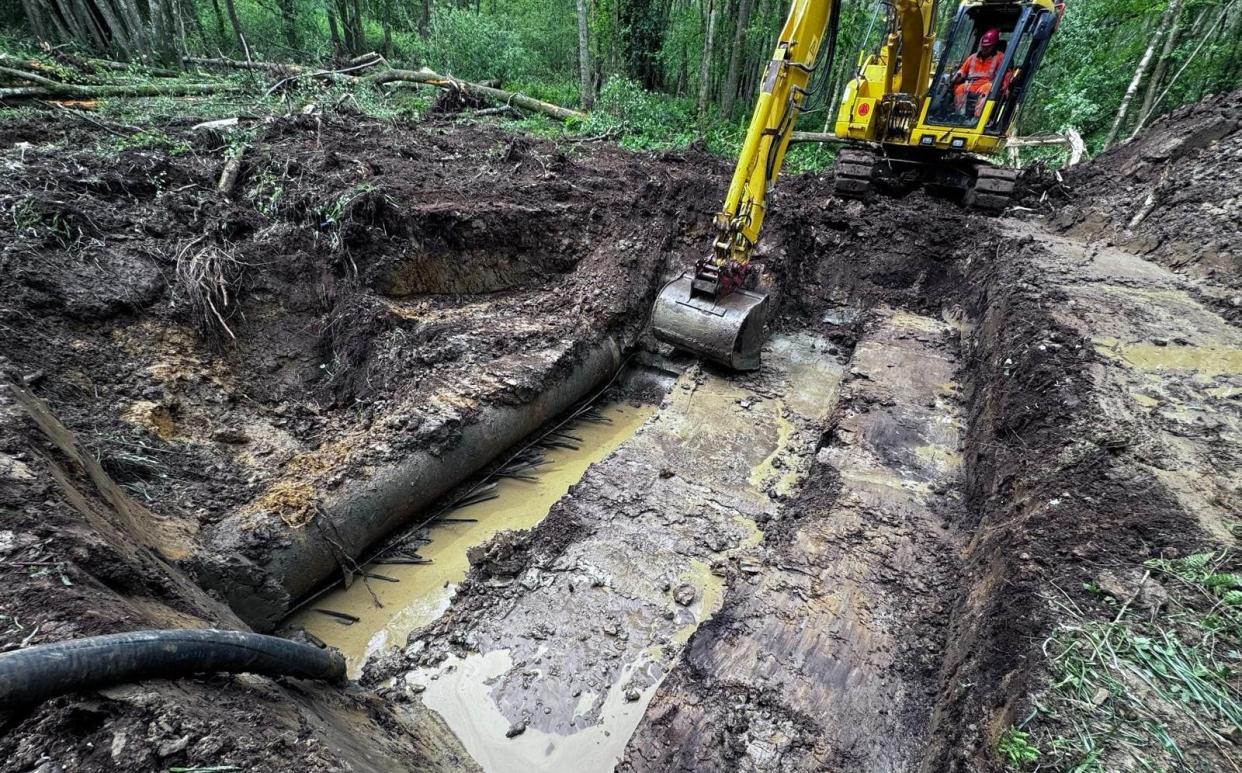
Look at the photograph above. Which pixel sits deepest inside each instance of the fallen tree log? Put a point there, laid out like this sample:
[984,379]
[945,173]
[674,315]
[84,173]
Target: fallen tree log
[813,137]
[107,64]
[278,68]
[25,84]
[511,98]
[42,86]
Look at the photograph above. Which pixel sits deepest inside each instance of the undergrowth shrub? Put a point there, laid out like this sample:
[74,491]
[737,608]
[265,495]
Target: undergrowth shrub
[470,45]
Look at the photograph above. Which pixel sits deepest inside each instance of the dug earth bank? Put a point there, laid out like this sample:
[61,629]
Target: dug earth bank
[972,439]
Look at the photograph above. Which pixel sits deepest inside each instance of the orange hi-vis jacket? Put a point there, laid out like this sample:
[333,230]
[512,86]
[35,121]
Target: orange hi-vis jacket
[979,74]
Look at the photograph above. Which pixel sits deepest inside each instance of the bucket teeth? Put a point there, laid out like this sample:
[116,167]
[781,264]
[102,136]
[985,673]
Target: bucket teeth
[728,330]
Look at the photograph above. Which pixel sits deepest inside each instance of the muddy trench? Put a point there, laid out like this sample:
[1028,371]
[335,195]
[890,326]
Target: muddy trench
[429,428]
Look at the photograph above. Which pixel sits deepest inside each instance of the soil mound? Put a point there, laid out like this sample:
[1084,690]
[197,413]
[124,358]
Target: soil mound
[1172,194]
[201,342]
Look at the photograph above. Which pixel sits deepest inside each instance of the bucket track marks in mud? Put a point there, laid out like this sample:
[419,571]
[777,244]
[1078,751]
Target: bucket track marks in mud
[826,659]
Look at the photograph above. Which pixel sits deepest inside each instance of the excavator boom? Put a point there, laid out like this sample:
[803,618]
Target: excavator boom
[718,310]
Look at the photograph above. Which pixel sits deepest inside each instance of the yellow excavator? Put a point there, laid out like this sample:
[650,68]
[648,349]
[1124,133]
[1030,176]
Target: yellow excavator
[921,108]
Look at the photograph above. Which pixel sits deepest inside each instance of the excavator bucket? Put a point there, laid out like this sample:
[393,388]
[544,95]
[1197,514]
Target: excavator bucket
[728,330]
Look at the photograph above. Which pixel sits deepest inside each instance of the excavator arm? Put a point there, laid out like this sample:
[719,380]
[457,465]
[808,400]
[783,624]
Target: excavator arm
[811,24]
[716,311]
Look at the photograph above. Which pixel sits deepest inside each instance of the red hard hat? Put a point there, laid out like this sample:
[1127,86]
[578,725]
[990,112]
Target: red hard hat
[990,38]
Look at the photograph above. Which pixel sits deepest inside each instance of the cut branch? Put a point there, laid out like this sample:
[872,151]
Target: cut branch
[814,137]
[107,64]
[279,68]
[232,166]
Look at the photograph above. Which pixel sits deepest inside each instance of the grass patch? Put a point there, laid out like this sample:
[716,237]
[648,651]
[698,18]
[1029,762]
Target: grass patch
[1148,689]
[34,220]
[1015,748]
[152,139]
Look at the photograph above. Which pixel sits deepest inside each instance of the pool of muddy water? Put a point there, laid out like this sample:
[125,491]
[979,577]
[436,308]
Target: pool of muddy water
[399,598]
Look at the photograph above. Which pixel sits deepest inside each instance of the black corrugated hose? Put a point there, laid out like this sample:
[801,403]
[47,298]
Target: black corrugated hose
[36,673]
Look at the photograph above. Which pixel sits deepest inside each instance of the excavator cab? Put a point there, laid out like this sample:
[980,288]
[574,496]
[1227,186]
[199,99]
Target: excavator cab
[1024,34]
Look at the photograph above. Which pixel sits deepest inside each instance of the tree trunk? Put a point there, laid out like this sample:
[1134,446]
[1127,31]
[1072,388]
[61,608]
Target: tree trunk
[424,19]
[1162,66]
[705,70]
[161,34]
[735,58]
[231,7]
[83,25]
[586,83]
[34,18]
[189,8]
[62,32]
[176,11]
[360,33]
[334,32]
[289,23]
[122,37]
[352,34]
[1140,72]
[221,35]
[127,10]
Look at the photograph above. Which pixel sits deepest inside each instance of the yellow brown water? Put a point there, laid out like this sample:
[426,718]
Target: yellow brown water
[423,591]
[1209,360]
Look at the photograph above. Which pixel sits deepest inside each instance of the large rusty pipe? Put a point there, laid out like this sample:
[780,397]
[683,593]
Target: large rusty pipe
[293,560]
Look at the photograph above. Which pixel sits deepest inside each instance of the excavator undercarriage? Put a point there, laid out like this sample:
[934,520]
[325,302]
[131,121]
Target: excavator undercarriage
[977,184]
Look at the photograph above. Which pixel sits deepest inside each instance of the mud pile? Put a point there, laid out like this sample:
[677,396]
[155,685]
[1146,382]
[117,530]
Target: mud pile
[211,354]
[352,265]
[1172,194]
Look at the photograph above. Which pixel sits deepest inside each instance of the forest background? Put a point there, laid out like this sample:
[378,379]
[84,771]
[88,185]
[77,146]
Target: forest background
[652,73]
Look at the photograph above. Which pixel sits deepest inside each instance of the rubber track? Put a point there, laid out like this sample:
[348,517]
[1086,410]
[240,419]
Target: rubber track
[993,189]
[852,176]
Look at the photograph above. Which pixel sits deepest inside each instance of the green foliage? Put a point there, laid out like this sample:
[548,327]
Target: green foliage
[1202,569]
[1093,56]
[563,93]
[646,120]
[1155,690]
[474,46]
[1015,748]
[267,193]
[152,139]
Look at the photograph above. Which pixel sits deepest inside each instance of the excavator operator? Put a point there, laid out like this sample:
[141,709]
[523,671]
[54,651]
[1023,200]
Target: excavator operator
[977,73]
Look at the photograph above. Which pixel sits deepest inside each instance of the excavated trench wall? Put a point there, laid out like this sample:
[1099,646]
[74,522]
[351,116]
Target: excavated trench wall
[1046,495]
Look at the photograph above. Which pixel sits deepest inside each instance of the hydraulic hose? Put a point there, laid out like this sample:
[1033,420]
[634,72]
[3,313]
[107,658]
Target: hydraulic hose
[47,670]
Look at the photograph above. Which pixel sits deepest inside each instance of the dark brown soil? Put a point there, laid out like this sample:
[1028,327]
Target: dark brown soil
[358,266]
[1053,498]
[364,261]
[1172,195]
